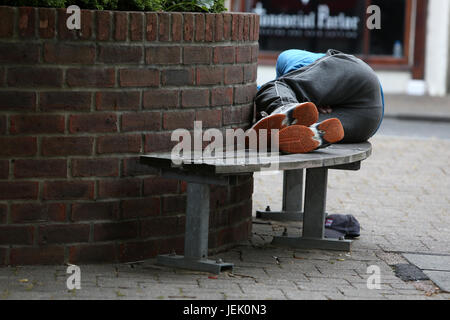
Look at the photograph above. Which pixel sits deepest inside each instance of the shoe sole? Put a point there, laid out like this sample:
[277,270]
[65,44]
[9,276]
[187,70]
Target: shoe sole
[305,114]
[274,121]
[302,139]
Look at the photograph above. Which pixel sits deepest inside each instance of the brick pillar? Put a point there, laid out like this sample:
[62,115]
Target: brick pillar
[78,108]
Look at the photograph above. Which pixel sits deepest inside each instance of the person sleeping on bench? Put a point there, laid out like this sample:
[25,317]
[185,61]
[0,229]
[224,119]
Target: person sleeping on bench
[319,99]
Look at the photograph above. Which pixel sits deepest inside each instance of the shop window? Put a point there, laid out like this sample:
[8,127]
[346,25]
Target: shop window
[317,25]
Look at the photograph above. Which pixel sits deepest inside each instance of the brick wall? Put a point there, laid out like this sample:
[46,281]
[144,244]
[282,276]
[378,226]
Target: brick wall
[77,108]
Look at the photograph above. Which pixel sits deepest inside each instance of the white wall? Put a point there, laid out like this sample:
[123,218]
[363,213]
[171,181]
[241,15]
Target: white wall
[437,66]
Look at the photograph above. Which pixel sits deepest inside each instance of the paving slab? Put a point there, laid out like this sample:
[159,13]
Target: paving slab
[429,261]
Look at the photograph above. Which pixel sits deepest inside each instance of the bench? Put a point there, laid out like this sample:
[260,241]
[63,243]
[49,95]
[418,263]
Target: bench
[200,173]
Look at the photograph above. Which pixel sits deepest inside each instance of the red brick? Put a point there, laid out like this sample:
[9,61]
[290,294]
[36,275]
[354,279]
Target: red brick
[160,98]
[159,185]
[255,50]
[90,77]
[36,124]
[3,213]
[123,100]
[67,146]
[134,167]
[64,190]
[174,204]
[163,226]
[93,122]
[152,26]
[177,77]
[4,169]
[2,124]
[142,121]
[40,168]
[197,55]
[233,75]
[18,146]
[120,26]
[250,72]
[26,22]
[103,25]
[164,26]
[120,54]
[222,96]
[243,54]
[209,27]
[95,211]
[65,101]
[170,245]
[235,27]
[177,23]
[244,94]
[119,144]
[246,27]
[60,53]
[99,253]
[209,75]
[98,167]
[178,120]
[3,256]
[65,33]
[163,55]
[47,23]
[12,190]
[63,233]
[139,77]
[188,30]
[218,197]
[158,141]
[218,31]
[37,255]
[141,208]
[256,28]
[116,230]
[19,53]
[87,23]
[231,115]
[241,27]
[138,251]
[227,19]
[224,54]
[251,28]
[199,27]
[7,19]
[209,118]
[17,101]
[35,77]
[195,98]
[16,235]
[136,26]
[36,212]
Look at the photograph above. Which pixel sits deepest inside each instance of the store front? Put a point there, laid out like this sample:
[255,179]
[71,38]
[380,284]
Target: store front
[388,35]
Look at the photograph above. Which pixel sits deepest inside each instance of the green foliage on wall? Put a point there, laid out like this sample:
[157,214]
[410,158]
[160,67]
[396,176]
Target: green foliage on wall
[213,6]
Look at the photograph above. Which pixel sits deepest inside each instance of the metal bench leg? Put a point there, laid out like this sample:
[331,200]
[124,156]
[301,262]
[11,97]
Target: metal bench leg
[292,199]
[314,217]
[196,235]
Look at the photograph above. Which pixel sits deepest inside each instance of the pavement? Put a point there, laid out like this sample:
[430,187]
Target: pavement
[400,197]
[407,107]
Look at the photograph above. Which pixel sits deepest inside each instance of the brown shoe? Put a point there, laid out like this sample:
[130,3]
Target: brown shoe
[302,139]
[305,114]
